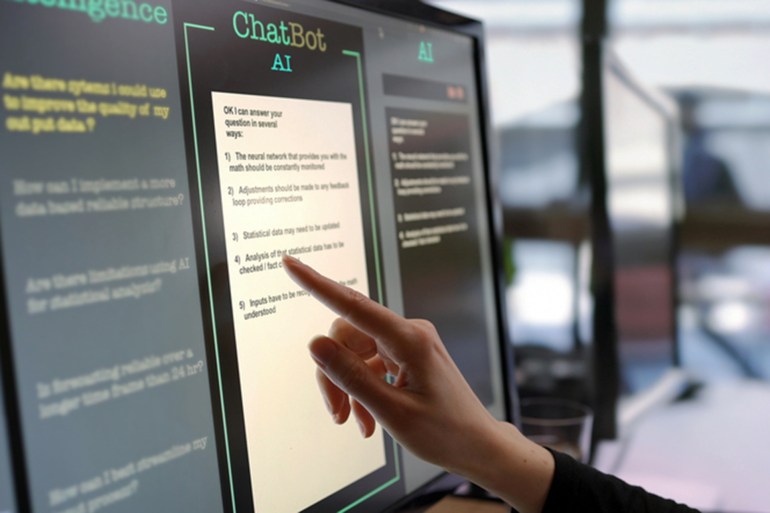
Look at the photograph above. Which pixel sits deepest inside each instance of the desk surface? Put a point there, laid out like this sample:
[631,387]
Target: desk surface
[712,452]
[463,505]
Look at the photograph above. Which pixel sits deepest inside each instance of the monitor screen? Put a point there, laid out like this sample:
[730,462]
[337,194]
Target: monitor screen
[640,127]
[156,160]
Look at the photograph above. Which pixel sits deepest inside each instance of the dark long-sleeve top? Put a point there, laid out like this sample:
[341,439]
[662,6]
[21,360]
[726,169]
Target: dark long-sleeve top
[578,488]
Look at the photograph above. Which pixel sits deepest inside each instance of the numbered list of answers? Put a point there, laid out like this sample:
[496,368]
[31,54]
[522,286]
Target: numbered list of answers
[289,185]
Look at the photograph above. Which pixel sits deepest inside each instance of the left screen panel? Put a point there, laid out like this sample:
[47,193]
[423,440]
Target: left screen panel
[102,296]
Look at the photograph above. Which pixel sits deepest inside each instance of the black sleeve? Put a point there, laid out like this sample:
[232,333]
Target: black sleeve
[578,488]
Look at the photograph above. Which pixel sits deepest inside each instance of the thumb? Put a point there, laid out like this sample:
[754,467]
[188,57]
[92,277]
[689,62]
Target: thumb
[352,375]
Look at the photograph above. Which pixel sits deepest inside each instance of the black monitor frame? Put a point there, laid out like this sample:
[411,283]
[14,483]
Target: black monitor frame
[411,11]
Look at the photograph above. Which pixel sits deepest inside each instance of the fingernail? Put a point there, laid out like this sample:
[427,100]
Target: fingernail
[322,350]
[328,406]
[361,427]
[290,259]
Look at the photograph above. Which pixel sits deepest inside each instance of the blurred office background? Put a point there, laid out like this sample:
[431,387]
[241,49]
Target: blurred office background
[709,58]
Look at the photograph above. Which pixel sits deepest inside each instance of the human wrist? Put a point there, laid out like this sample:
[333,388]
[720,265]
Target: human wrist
[512,467]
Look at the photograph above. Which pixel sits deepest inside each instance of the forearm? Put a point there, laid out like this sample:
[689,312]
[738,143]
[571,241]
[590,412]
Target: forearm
[511,467]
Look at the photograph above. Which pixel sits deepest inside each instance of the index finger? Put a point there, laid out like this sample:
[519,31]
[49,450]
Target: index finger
[368,316]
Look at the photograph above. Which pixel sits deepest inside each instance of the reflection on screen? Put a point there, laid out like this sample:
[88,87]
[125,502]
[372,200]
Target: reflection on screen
[144,210]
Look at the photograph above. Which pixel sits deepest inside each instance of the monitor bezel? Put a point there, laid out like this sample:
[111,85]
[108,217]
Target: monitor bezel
[408,11]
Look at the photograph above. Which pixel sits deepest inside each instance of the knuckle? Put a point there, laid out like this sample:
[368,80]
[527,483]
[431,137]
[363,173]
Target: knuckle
[425,338]
[339,327]
[355,298]
[427,325]
[424,328]
[352,376]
